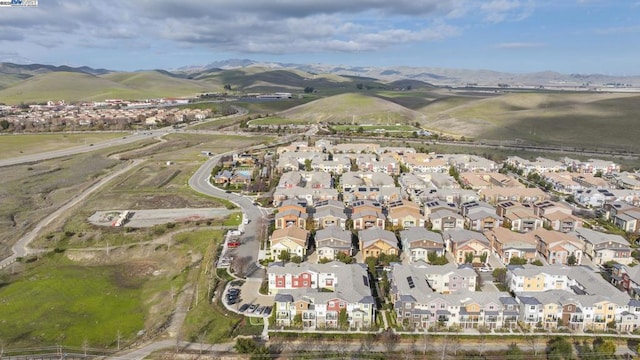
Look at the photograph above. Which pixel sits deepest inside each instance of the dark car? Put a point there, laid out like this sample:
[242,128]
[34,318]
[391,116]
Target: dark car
[243,308]
[267,311]
[235,291]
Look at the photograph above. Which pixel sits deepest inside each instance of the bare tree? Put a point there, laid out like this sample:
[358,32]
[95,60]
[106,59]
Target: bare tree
[532,340]
[85,346]
[389,339]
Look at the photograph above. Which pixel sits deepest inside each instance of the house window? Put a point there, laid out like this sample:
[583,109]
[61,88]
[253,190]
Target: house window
[306,283]
[329,282]
[442,306]
[332,303]
[532,307]
[342,305]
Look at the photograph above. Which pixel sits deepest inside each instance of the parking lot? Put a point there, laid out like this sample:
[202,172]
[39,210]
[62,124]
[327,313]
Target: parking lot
[248,300]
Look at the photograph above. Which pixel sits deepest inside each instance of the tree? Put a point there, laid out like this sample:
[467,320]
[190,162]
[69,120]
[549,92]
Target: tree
[343,319]
[308,90]
[359,86]
[559,348]
[571,260]
[284,256]
[297,320]
[345,258]
[296,259]
[500,274]
[514,352]
[517,261]
[389,339]
[604,348]
[324,260]
[537,262]
[371,264]
[307,165]
[468,257]
[483,258]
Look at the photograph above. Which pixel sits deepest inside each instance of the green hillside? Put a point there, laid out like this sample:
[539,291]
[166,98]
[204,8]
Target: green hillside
[566,119]
[352,108]
[155,82]
[73,86]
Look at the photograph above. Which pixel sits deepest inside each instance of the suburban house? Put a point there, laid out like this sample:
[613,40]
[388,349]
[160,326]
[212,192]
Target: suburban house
[374,242]
[418,242]
[330,213]
[464,244]
[498,194]
[602,248]
[573,296]
[353,180]
[291,239]
[518,217]
[291,213]
[623,215]
[449,278]
[332,240]
[367,214]
[558,247]
[318,293]
[405,214]
[486,180]
[420,307]
[480,216]
[557,216]
[626,278]
[441,220]
[507,244]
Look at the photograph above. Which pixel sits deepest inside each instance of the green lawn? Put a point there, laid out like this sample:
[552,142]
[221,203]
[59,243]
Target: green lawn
[61,303]
[373,127]
[275,120]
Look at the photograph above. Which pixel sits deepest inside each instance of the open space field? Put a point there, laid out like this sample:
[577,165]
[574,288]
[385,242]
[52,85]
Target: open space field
[95,295]
[369,128]
[276,120]
[26,144]
[353,108]
[561,119]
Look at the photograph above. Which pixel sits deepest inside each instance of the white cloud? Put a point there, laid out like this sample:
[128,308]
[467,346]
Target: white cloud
[496,11]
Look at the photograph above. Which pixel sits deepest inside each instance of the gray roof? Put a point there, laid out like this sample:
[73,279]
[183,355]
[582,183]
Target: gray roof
[325,211]
[352,283]
[457,235]
[371,235]
[329,235]
[419,233]
[597,237]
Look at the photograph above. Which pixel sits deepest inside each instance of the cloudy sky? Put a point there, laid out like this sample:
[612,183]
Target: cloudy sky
[569,36]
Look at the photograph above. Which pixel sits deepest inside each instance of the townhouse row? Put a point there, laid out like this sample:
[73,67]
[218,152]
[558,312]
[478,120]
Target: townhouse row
[432,298]
[470,235]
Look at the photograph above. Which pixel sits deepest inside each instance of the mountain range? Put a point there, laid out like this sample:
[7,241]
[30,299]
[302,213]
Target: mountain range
[433,75]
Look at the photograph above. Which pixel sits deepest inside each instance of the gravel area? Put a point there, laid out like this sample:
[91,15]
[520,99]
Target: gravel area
[151,217]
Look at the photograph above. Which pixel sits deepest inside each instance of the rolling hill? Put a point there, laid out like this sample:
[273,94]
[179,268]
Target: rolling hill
[352,108]
[77,86]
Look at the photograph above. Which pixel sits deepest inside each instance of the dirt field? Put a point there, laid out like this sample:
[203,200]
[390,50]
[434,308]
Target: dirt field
[148,218]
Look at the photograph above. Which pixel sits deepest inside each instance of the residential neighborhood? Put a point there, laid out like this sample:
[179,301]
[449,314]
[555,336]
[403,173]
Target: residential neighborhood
[346,224]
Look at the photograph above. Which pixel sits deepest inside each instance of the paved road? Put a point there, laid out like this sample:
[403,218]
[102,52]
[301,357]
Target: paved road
[250,239]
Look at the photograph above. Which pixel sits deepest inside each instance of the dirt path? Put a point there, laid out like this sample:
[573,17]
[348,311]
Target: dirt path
[21,248]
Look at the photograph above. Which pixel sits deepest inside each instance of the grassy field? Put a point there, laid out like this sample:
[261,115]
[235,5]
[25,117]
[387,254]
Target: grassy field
[58,301]
[353,108]
[368,128]
[276,120]
[562,119]
[19,145]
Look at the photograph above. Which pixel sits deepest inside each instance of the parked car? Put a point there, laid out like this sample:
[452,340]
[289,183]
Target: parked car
[252,308]
[267,311]
[233,244]
[259,310]
[243,308]
[234,291]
